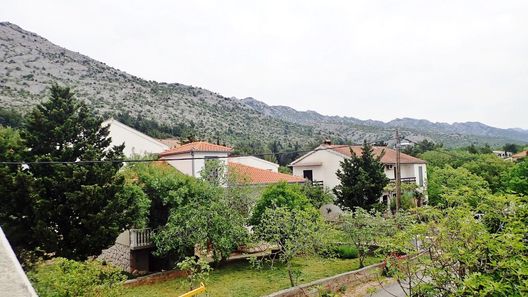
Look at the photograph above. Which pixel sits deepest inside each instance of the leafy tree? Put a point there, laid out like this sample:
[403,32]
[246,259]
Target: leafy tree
[214,172]
[295,232]
[455,183]
[465,255]
[512,148]
[362,179]
[364,229]
[203,221]
[197,270]
[64,278]
[317,196]
[16,200]
[518,178]
[421,147]
[77,209]
[490,167]
[280,195]
[10,118]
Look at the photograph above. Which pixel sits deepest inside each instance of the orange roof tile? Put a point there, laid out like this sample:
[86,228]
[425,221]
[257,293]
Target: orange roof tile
[262,176]
[520,155]
[199,146]
[388,158]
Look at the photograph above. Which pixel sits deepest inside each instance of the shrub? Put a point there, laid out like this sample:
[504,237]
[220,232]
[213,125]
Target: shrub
[347,252]
[62,277]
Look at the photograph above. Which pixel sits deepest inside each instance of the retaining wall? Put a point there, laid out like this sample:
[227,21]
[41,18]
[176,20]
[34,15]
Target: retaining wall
[333,283]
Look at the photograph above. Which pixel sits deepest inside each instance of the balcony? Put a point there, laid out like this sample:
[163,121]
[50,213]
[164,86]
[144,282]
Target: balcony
[407,180]
[140,238]
[318,184]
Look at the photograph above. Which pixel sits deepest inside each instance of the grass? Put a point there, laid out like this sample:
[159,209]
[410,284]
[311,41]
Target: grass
[239,279]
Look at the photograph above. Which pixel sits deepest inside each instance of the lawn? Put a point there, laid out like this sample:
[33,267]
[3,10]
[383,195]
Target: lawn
[239,279]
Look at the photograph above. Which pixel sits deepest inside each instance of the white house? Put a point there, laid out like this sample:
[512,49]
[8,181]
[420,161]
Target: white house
[136,143]
[253,161]
[190,158]
[321,164]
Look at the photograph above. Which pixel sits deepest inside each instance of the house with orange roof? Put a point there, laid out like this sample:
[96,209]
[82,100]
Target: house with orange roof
[191,158]
[321,164]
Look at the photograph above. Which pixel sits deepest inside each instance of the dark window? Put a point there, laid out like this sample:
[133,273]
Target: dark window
[420,176]
[308,174]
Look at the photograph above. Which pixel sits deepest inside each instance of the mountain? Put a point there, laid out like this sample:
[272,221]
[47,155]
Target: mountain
[30,63]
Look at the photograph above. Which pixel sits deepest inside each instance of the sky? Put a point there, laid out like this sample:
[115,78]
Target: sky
[446,61]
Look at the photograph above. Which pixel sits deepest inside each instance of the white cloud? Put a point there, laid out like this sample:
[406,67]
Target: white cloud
[439,60]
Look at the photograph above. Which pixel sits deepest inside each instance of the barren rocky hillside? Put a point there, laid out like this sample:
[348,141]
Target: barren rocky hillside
[29,64]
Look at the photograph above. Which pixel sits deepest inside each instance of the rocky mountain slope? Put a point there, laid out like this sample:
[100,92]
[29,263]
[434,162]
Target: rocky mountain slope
[29,64]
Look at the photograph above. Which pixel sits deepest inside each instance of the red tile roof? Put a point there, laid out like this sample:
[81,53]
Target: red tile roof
[520,155]
[199,146]
[388,158]
[262,176]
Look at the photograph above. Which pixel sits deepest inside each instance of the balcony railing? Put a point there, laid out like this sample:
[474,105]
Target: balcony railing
[318,183]
[407,180]
[140,238]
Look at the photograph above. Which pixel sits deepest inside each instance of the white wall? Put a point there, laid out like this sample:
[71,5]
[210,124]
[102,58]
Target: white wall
[330,163]
[136,143]
[256,162]
[198,159]
[325,172]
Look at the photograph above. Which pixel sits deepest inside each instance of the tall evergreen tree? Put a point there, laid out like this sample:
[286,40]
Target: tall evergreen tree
[79,209]
[362,179]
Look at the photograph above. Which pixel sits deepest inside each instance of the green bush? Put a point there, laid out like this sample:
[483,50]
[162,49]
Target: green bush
[281,195]
[66,278]
[346,252]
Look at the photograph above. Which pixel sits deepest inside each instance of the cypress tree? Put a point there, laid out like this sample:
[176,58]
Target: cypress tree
[78,210]
[362,179]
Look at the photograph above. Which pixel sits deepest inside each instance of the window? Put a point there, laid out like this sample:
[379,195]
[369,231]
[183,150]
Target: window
[420,176]
[308,174]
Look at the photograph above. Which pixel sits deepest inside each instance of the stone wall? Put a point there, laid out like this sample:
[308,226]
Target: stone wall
[117,255]
[333,283]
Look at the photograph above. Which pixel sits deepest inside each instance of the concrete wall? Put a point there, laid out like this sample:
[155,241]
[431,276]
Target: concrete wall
[136,143]
[196,161]
[333,283]
[256,162]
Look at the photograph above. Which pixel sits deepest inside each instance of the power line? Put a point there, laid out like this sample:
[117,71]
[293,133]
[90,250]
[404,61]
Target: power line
[83,162]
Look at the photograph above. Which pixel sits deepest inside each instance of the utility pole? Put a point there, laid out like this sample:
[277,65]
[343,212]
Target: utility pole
[398,171]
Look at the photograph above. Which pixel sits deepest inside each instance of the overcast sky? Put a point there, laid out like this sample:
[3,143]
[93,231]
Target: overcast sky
[443,60]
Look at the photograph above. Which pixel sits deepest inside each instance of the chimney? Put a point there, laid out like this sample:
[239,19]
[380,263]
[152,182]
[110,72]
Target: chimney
[327,142]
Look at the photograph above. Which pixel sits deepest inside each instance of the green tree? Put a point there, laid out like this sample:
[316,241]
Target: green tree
[197,270]
[421,147]
[518,178]
[362,179]
[294,231]
[64,278]
[364,229]
[450,182]
[203,221]
[77,209]
[280,195]
[490,167]
[16,199]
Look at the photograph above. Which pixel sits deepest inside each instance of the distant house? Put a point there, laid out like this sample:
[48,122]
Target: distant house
[136,143]
[502,154]
[191,158]
[321,165]
[520,155]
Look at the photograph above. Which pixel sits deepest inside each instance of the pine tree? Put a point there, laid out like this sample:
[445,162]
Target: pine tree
[78,207]
[362,179]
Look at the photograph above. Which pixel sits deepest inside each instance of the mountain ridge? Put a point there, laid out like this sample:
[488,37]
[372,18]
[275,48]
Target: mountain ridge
[29,63]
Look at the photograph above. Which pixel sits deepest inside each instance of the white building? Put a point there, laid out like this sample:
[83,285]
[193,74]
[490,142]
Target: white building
[255,162]
[321,164]
[136,143]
